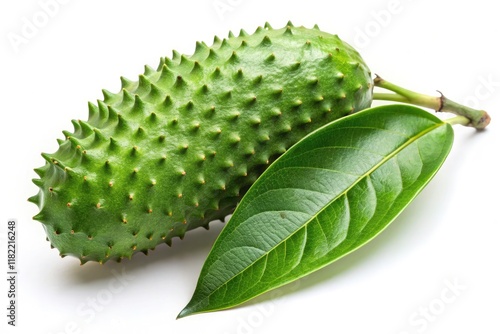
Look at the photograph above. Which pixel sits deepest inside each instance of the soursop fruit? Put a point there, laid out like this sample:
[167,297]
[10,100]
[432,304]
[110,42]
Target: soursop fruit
[177,148]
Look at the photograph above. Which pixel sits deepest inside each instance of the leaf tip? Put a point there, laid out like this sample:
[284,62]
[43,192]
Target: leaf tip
[184,313]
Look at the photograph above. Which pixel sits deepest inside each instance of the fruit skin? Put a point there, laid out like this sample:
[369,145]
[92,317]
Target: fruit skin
[180,146]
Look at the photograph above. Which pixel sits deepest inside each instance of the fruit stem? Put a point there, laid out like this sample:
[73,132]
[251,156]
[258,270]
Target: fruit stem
[462,120]
[478,119]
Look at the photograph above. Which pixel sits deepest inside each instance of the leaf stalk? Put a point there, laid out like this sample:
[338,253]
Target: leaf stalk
[478,119]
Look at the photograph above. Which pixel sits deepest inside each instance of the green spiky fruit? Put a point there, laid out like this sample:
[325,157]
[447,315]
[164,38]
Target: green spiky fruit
[179,147]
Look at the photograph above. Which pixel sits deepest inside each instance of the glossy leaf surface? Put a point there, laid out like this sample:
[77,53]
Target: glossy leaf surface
[331,193]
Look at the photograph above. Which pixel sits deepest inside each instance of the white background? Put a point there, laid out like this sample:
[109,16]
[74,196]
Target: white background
[448,236]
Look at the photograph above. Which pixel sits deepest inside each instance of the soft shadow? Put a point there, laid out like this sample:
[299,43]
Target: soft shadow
[196,243]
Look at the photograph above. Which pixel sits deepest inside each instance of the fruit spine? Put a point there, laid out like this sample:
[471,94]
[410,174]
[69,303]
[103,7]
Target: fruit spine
[180,146]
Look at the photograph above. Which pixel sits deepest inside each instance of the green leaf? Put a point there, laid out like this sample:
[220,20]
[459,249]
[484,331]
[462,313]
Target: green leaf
[328,195]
